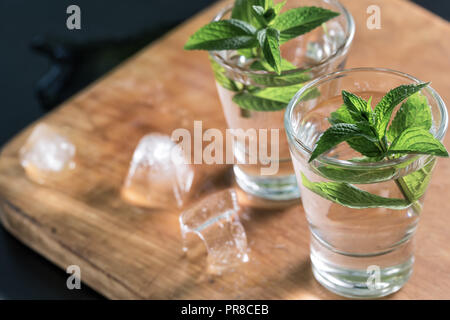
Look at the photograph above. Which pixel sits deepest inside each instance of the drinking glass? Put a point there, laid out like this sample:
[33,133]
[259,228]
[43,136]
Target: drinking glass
[358,252]
[318,52]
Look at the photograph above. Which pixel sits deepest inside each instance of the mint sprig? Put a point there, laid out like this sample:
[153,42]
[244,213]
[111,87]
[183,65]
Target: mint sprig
[339,133]
[244,10]
[269,99]
[229,34]
[411,136]
[383,110]
[269,41]
[352,197]
[259,25]
[298,21]
[415,112]
[417,182]
[416,141]
[256,30]
[366,131]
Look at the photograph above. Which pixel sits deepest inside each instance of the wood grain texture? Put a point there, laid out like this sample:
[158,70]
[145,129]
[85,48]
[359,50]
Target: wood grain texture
[128,252]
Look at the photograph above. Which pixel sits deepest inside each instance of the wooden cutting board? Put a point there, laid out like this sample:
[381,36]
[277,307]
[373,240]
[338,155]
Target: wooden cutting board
[130,252]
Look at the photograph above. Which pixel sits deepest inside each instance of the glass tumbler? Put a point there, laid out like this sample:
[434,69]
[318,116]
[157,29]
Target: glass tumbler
[358,252]
[270,175]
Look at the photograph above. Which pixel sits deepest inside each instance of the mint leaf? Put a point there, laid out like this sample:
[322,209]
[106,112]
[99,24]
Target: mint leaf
[223,35]
[359,109]
[258,13]
[384,108]
[243,10]
[359,112]
[365,159]
[365,146]
[361,176]
[222,79]
[287,79]
[279,6]
[309,94]
[270,15]
[352,197]
[415,112]
[258,10]
[355,103]
[298,21]
[334,135]
[248,53]
[341,115]
[248,101]
[263,65]
[366,132]
[268,4]
[270,99]
[269,40]
[417,141]
[281,80]
[361,144]
[264,16]
[417,182]
[281,94]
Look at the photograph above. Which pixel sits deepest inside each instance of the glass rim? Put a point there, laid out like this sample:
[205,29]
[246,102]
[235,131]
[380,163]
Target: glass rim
[439,134]
[342,49]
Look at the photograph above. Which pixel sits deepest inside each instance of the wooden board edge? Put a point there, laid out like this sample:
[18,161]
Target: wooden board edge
[417,7]
[30,232]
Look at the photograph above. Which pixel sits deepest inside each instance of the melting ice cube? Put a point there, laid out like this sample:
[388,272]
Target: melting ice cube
[332,39]
[159,175]
[215,220]
[315,51]
[46,153]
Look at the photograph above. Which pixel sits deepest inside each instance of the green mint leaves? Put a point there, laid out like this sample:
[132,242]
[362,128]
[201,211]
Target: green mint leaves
[258,24]
[298,21]
[267,99]
[244,10]
[415,112]
[383,110]
[269,41]
[256,30]
[417,141]
[417,182]
[223,35]
[248,101]
[352,197]
[366,130]
[336,134]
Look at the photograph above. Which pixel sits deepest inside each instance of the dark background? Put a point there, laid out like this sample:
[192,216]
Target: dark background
[31,83]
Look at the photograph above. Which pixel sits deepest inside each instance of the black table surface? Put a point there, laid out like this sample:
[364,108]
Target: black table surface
[122,27]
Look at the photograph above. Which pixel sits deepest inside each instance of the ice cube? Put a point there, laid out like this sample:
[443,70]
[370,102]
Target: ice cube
[315,52]
[46,154]
[159,175]
[335,35]
[216,221]
[331,40]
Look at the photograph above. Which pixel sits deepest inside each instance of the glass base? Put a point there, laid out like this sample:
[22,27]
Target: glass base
[268,187]
[368,281]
